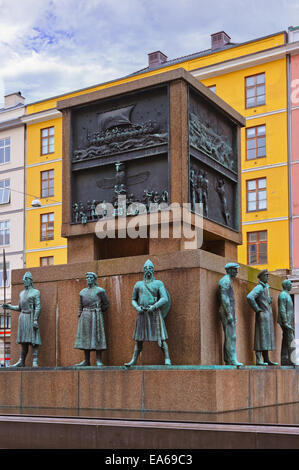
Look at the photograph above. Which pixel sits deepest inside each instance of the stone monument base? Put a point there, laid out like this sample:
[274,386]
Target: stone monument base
[196,389]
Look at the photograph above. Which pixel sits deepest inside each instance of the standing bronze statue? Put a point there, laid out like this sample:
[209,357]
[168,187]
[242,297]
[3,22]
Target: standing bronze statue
[226,298]
[28,328]
[264,340]
[152,302]
[286,321]
[91,334]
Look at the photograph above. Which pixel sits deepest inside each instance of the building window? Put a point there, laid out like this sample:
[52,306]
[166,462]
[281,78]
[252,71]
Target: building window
[7,275]
[47,226]
[4,232]
[47,261]
[257,247]
[5,191]
[47,183]
[255,90]
[255,142]
[4,150]
[47,140]
[256,191]
[212,88]
[7,324]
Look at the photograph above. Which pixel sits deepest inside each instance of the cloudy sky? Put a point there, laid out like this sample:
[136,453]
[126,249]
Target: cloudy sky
[49,47]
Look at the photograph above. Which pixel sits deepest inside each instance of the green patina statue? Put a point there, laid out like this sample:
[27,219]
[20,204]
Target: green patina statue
[286,319]
[226,300]
[152,302]
[28,328]
[264,339]
[91,334]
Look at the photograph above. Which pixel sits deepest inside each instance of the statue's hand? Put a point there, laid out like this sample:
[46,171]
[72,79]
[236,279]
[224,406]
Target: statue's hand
[230,320]
[139,310]
[151,309]
[35,325]
[6,306]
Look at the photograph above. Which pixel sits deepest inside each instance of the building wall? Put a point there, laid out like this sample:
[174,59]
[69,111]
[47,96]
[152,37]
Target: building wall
[36,163]
[295,155]
[231,88]
[14,210]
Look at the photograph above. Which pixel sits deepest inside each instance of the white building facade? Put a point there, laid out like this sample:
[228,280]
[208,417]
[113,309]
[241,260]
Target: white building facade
[12,203]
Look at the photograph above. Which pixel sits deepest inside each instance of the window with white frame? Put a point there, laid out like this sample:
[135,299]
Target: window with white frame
[4,150]
[5,191]
[4,232]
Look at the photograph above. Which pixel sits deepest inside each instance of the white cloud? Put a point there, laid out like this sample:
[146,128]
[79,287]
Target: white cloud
[53,46]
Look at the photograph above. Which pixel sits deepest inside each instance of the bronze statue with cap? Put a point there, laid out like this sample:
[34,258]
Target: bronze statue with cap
[93,301]
[226,299]
[28,328]
[264,339]
[152,303]
[285,319]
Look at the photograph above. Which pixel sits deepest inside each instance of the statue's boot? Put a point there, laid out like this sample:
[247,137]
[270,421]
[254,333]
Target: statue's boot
[234,362]
[21,361]
[167,360]
[86,361]
[267,360]
[99,358]
[133,361]
[35,357]
[292,356]
[259,361]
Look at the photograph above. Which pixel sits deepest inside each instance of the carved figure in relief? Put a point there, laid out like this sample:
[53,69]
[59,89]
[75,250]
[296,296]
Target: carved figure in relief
[220,188]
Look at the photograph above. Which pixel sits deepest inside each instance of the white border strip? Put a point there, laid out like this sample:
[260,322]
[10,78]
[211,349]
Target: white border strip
[47,249]
[44,206]
[278,111]
[44,163]
[266,167]
[278,219]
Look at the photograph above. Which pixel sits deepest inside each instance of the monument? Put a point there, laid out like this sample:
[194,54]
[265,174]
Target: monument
[227,314]
[286,321]
[151,301]
[151,170]
[264,336]
[28,333]
[91,336]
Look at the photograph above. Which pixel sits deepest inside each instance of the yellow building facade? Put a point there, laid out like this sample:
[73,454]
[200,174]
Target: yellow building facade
[237,71]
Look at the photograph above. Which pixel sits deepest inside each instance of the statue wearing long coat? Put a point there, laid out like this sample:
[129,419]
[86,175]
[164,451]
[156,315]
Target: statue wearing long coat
[260,300]
[91,334]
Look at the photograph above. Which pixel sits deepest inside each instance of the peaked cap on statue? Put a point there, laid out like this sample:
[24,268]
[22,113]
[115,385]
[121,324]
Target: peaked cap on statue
[28,275]
[149,264]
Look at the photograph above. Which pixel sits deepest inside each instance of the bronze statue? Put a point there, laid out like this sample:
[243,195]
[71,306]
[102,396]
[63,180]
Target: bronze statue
[286,320]
[152,302]
[91,334]
[228,319]
[264,339]
[28,328]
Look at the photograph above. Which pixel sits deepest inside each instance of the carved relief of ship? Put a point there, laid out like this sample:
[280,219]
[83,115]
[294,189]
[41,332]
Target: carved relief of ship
[116,133]
[205,139]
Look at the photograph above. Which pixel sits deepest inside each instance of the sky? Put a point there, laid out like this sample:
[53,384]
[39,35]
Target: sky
[50,47]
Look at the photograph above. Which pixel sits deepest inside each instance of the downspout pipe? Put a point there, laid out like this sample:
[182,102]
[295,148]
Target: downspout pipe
[290,176]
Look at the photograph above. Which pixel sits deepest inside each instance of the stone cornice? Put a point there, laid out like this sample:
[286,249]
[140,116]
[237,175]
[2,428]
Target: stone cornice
[41,116]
